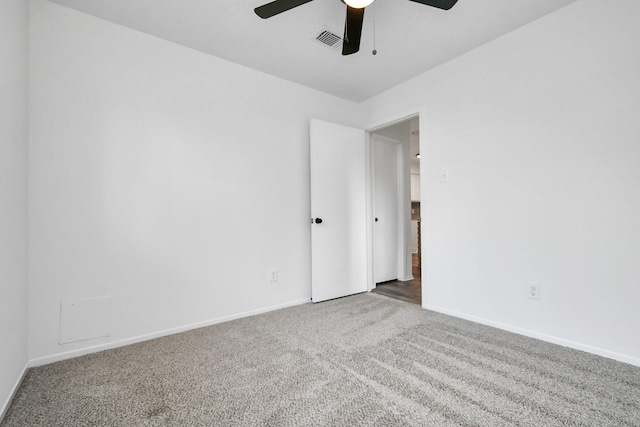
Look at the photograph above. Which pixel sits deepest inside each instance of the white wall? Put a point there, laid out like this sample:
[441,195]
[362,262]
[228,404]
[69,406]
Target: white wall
[14,16]
[170,180]
[540,132]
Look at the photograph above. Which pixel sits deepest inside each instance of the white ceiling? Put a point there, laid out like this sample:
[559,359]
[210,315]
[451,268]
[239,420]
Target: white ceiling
[410,38]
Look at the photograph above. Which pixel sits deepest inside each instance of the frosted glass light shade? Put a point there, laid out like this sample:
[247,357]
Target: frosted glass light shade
[358,4]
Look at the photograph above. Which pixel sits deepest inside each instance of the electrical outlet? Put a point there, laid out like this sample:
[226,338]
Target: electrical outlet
[273,275]
[533,291]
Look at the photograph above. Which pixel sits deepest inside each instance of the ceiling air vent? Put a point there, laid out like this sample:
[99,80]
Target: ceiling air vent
[329,39]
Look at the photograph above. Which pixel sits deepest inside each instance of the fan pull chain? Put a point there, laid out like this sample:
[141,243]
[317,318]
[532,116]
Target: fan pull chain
[374,51]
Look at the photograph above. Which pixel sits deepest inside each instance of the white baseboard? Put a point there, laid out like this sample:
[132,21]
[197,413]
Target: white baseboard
[127,341]
[543,337]
[14,390]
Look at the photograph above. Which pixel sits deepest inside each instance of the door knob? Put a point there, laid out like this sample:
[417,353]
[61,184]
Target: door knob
[376,219]
[318,220]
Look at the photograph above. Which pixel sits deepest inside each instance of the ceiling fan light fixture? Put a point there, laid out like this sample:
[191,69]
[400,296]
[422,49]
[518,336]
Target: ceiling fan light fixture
[352,22]
[358,4]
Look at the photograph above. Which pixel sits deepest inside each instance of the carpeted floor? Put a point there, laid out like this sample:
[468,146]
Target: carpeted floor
[365,360]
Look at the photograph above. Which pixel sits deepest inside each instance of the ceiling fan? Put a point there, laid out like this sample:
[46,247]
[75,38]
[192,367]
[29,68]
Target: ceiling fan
[353,21]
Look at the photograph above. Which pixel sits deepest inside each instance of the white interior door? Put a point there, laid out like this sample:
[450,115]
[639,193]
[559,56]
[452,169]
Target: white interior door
[338,210]
[386,203]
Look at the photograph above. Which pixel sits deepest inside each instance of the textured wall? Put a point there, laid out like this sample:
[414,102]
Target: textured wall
[539,131]
[170,180]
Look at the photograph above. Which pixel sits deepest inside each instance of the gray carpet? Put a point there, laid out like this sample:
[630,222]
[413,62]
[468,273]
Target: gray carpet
[365,360]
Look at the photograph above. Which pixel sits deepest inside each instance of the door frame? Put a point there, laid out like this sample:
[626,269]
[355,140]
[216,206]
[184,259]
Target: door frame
[405,197]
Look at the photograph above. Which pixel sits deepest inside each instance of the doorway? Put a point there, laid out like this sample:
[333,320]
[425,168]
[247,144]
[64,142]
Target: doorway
[396,195]
[342,208]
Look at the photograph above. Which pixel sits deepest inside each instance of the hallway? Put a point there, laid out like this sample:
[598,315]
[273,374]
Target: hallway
[409,291]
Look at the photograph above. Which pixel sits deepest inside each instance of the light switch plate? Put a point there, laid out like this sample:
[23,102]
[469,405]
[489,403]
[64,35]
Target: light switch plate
[444,175]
